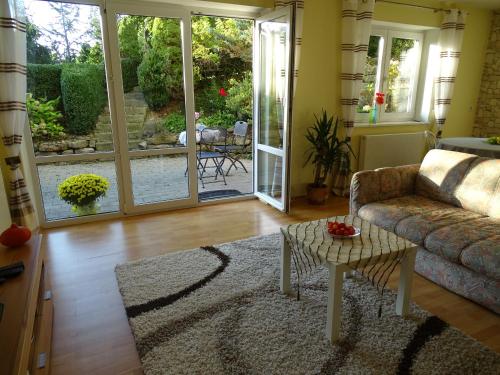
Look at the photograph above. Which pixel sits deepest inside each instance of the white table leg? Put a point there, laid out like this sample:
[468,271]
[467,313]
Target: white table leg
[334,309]
[405,282]
[285,266]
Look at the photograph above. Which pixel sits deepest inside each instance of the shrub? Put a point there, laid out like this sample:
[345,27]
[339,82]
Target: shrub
[240,98]
[129,29]
[175,122]
[209,101]
[43,80]
[151,74]
[83,189]
[219,120]
[44,118]
[129,74]
[83,89]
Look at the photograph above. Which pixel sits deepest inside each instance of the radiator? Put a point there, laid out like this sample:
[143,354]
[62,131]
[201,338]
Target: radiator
[390,150]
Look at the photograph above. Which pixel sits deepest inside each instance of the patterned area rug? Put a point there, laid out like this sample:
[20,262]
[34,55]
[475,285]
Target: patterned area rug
[218,310]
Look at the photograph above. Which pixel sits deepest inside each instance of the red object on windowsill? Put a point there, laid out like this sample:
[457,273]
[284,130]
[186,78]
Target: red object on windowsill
[379,98]
[15,236]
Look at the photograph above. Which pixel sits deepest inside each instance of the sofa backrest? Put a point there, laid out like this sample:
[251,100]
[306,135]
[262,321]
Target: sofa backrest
[460,179]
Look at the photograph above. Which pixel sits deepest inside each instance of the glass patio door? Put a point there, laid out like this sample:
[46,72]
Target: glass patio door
[272,43]
[152,64]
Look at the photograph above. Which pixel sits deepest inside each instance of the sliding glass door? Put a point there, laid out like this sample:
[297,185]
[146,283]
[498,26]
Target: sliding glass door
[151,57]
[272,43]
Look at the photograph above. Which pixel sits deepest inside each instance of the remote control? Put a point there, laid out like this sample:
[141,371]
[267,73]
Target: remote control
[11,270]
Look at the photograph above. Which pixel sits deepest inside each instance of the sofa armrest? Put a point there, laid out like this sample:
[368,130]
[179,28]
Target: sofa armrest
[380,184]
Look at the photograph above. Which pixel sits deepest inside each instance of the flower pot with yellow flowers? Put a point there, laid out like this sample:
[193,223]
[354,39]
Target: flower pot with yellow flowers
[82,191]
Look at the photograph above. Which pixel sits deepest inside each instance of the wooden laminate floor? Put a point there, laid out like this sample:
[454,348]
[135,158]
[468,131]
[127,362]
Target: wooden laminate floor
[91,334]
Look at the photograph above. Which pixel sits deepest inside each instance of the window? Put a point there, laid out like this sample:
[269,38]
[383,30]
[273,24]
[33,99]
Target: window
[392,68]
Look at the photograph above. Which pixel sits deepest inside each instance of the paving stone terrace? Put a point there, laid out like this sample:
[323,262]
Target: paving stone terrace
[155,179]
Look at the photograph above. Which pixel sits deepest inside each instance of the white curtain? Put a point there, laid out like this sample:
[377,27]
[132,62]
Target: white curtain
[356,25]
[13,104]
[450,44]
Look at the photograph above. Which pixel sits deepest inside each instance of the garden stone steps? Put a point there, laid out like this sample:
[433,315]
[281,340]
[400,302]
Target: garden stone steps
[135,115]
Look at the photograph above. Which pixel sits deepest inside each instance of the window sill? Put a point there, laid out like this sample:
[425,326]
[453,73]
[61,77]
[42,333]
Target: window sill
[389,124]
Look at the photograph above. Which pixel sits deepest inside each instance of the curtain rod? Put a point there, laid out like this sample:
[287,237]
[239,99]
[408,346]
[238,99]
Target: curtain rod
[413,5]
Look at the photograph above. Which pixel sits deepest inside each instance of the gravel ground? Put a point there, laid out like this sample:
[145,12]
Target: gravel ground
[155,179]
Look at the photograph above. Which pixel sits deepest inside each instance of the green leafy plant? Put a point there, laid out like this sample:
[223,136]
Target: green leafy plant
[208,99]
[325,148]
[152,78]
[83,189]
[44,118]
[129,74]
[175,122]
[83,88]
[240,98]
[219,120]
[44,80]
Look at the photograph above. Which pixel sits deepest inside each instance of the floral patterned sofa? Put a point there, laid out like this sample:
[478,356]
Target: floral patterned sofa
[450,206]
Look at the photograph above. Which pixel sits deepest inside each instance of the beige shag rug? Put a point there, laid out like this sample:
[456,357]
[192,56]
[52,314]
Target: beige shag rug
[218,310]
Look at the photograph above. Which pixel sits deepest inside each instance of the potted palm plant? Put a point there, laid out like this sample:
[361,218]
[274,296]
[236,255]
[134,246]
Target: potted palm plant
[324,151]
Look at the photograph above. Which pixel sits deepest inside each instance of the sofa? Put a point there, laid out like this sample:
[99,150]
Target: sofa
[449,205]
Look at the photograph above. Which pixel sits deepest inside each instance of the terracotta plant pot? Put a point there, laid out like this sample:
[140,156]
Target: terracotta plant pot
[317,195]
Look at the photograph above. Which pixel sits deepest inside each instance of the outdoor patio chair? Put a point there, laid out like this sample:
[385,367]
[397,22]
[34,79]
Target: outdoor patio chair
[203,157]
[236,147]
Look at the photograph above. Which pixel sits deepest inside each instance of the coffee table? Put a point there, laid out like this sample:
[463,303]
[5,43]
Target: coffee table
[309,245]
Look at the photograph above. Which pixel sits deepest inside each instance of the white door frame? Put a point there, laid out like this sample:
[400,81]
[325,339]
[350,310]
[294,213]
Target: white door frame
[165,11]
[116,105]
[282,205]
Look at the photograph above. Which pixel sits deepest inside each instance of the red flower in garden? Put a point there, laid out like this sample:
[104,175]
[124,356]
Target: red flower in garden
[379,98]
[222,92]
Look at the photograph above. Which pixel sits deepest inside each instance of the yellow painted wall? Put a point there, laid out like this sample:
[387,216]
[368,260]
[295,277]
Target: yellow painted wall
[319,85]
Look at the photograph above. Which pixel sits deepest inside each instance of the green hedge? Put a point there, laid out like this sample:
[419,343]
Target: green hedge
[83,88]
[153,78]
[43,80]
[129,74]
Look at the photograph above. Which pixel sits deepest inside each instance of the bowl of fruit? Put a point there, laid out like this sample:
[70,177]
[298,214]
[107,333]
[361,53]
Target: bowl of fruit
[341,230]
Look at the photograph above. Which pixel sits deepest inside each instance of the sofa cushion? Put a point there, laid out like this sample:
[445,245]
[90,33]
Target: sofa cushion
[460,179]
[479,186]
[414,217]
[484,257]
[440,174]
[388,213]
[450,241]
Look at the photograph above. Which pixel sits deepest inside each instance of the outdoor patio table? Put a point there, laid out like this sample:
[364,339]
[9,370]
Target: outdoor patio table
[311,246]
[209,136]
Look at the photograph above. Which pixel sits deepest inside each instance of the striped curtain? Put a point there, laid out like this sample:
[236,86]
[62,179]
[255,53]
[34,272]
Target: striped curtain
[450,43]
[356,25]
[13,104]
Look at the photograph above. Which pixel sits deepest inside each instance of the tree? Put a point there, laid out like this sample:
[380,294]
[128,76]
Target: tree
[92,54]
[64,35]
[35,52]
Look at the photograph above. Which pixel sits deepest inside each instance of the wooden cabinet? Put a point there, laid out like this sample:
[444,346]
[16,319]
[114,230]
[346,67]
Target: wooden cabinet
[26,321]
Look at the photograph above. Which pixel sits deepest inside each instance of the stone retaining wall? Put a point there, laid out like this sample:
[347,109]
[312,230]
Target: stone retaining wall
[487,122]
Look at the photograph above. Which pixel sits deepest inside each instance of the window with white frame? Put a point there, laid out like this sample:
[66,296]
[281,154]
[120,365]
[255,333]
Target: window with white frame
[391,71]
